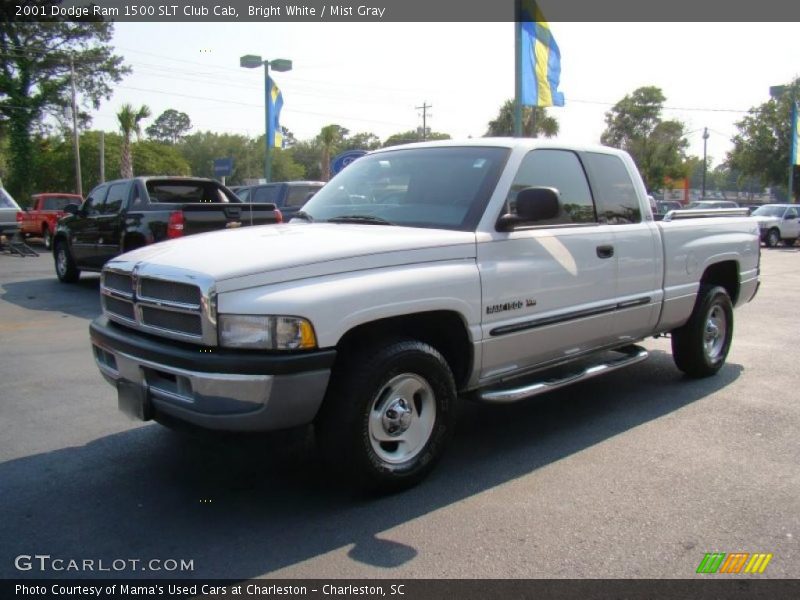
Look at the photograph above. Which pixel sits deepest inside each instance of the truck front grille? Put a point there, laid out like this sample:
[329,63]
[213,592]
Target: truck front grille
[169,303]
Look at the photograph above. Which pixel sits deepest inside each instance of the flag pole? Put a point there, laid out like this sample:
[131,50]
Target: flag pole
[517,68]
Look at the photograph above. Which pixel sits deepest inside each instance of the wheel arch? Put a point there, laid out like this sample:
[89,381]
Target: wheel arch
[725,274]
[445,330]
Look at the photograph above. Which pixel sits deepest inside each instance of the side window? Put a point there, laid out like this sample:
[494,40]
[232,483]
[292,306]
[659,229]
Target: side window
[94,202]
[791,213]
[562,170]
[117,194]
[266,193]
[299,194]
[617,202]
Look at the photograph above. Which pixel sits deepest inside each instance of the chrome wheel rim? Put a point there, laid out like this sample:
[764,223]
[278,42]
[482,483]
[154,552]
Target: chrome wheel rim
[715,332]
[401,418]
[61,261]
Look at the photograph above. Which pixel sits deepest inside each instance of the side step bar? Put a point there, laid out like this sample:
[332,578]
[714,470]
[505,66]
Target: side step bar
[631,356]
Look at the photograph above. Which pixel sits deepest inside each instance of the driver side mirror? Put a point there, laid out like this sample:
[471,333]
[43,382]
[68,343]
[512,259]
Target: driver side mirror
[532,204]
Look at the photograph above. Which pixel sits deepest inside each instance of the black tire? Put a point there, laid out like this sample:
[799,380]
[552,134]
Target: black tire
[700,347]
[66,271]
[773,237]
[388,415]
[47,237]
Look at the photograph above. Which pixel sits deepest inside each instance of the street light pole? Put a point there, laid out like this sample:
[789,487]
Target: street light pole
[251,61]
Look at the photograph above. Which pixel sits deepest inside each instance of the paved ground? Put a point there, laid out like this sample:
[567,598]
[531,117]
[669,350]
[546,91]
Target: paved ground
[637,474]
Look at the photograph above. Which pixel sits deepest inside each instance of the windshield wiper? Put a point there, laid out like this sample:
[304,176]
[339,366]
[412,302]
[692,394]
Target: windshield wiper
[301,214]
[366,219]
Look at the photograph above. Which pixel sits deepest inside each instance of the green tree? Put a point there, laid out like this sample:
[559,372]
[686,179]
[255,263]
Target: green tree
[307,154]
[53,164]
[35,79]
[129,123]
[761,147]
[658,147]
[170,126]
[410,137]
[535,122]
[329,138]
[360,141]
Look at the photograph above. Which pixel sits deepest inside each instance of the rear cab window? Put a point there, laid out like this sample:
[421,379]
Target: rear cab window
[614,192]
[185,192]
[562,170]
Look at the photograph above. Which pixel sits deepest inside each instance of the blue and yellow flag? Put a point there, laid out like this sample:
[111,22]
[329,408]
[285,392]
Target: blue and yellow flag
[541,59]
[274,133]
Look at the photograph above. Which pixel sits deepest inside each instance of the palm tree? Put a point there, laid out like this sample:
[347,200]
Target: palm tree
[129,123]
[535,122]
[329,138]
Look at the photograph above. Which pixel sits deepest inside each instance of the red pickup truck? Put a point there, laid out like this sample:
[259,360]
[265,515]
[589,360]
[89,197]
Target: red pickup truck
[44,212]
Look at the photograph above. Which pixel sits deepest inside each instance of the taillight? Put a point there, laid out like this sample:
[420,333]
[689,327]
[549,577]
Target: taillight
[175,225]
[278,216]
[19,217]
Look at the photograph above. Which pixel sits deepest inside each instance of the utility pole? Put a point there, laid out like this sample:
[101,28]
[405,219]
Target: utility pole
[102,157]
[705,142]
[75,140]
[424,108]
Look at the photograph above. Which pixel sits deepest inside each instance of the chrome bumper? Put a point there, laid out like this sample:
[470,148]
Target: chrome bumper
[221,401]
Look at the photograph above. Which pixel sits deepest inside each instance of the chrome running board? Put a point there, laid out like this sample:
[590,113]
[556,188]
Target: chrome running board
[632,355]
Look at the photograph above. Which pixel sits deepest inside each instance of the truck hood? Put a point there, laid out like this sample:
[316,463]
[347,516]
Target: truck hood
[766,221]
[275,253]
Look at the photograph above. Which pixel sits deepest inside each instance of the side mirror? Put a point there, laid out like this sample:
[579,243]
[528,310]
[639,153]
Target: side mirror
[72,209]
[532,204]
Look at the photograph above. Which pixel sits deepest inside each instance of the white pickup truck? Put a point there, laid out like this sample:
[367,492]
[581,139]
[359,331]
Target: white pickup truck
[418,275]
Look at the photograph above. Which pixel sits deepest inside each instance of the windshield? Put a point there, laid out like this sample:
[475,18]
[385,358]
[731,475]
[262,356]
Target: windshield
[769,211]
[441,188]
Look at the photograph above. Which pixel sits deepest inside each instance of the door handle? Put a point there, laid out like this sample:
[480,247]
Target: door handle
[605,251]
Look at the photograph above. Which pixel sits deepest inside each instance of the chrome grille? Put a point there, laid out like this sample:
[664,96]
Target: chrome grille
[119,307]
[162,301]
[169,320]
[170,291]
[119,282]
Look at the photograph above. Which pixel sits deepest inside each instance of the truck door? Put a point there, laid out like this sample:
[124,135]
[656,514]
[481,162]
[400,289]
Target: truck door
[548,289]
[790,228]
[110,223]
[84,230]
[637,246]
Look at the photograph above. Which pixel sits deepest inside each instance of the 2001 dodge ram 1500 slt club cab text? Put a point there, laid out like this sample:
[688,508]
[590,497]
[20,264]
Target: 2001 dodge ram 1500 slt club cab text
[420,274]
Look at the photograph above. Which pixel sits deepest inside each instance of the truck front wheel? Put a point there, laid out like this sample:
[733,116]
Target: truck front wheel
[700,347]
[773,237]
[388,415]
[66,271]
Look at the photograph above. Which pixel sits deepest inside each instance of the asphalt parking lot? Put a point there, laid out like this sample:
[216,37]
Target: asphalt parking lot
[635,474]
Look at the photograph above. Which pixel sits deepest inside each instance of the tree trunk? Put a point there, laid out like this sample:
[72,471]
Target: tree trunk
[126,162]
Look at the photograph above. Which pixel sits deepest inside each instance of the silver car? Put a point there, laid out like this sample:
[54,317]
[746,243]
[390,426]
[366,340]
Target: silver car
[8,213]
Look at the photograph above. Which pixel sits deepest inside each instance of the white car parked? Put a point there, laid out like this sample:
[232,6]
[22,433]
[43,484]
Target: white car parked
[778,222]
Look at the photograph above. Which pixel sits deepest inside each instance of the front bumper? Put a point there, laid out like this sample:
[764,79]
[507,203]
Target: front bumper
[212,388]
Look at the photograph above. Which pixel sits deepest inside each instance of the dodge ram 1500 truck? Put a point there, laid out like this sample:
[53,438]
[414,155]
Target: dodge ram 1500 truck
[128,213]
[421,274]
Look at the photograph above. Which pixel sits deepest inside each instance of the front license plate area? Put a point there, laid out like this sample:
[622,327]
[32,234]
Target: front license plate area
[132,400]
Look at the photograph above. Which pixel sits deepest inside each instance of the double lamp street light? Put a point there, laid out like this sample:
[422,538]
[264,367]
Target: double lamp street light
[253,61]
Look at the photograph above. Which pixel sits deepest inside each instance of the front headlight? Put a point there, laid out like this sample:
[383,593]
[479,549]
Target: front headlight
[266,332]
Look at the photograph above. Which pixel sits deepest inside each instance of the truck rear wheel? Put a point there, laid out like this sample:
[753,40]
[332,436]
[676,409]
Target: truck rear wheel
[388,415]
[700,347]
[66,271]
